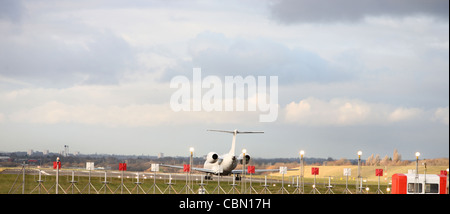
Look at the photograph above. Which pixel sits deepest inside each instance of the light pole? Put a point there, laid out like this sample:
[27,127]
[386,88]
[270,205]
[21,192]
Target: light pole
[244,160]
[191,161]
[416,186]
[359,173]
[302,171]
[57,174]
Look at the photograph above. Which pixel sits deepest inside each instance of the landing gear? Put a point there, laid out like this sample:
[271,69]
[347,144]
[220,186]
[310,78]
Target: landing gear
[237,177]
[208,177]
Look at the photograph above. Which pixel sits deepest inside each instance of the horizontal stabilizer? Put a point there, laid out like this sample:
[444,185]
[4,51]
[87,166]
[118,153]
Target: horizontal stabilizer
[235,131]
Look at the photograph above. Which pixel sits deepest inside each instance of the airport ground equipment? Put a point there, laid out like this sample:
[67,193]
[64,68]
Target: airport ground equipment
[315,172]
[347,172]
[105,185]
[219,188]
[329,187]
[424,184]
[170,186]
[72,183]
[379,173]
[283,171]
[154,168]
[39,185]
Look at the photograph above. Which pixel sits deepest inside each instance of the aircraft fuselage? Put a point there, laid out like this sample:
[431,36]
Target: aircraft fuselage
[224,166]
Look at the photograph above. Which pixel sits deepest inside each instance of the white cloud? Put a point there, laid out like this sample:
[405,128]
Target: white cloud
[139,103]
[54,112]
[442,115]
[136,103]
[401,114]
[342,112]
[337,111]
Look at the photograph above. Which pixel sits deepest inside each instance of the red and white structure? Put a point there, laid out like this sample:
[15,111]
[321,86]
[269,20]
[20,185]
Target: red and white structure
[424,184]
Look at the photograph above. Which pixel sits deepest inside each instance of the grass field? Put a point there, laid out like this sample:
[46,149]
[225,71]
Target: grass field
[31,186]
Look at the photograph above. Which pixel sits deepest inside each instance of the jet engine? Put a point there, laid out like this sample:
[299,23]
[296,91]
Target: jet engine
[247,158]
[212,157]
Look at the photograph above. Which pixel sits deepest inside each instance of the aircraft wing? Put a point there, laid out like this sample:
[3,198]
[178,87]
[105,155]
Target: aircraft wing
[193,168]
[239,171]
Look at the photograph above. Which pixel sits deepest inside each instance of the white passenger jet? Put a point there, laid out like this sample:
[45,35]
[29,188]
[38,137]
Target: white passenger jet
[225,164]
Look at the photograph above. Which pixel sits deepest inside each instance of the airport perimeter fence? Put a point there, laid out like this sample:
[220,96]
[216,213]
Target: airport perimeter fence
[48,181]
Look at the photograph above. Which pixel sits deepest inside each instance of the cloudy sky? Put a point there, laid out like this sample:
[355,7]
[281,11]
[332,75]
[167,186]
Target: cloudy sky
[370,75]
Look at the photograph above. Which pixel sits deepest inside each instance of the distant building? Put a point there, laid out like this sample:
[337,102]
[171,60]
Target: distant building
[20,154]
[30,152]
[5,158]
[160,155]
[39,154]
